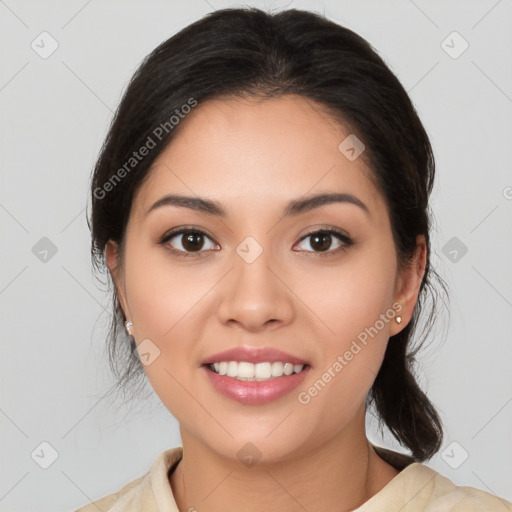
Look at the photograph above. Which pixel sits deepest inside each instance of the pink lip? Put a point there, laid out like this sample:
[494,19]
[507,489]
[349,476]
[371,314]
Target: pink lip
[253,355]
[254,392]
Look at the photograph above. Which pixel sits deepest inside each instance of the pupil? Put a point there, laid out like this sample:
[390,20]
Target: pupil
[321,242]
[193,241]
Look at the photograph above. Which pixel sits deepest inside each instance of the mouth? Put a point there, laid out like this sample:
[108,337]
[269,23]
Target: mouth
[255,375]
[255,383]
[255,372]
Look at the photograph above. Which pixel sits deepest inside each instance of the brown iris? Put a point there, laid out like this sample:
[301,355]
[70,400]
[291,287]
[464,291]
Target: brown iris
[192,241]
[321,241]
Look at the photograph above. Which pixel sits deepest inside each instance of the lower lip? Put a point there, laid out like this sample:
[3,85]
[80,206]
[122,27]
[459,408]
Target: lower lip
[254,392]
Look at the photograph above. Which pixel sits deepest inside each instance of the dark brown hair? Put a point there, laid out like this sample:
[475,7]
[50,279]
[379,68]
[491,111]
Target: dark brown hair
[244,52]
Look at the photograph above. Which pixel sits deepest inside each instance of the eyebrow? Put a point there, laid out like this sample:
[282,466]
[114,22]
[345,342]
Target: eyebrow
[295,207]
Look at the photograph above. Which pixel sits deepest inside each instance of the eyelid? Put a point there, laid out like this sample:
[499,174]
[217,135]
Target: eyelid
[331,230]
[180,230]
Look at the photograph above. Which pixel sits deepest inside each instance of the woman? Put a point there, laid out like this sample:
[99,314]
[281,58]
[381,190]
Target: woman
[261,204]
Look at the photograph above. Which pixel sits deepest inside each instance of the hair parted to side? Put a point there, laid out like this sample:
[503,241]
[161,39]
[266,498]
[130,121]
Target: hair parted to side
[249,52]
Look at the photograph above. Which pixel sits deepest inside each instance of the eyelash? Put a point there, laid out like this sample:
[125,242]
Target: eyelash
[347,241]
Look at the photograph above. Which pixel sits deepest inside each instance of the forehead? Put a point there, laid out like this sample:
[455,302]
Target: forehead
[260,150]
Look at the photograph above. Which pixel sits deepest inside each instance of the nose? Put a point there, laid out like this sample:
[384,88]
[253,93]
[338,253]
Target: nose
[254,296]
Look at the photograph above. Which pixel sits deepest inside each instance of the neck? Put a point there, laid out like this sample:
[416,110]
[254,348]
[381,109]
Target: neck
[346,472]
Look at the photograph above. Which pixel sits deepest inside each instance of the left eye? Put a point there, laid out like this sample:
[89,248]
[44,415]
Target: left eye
[321,241]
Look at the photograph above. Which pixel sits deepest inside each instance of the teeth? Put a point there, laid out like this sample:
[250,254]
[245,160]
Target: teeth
[288,369]
[255,372]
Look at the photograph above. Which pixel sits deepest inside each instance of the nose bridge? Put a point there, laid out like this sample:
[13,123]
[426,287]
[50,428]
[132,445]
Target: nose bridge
[252,262]
[253,279]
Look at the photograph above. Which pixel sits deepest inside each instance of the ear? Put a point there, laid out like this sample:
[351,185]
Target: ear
[408,285]
[112,259]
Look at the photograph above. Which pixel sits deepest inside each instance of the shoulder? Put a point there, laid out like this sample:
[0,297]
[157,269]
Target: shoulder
[107,502]
[148,492]
[419,488]
[426,490]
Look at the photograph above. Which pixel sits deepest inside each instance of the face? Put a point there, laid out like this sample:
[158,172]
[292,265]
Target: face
[262,275]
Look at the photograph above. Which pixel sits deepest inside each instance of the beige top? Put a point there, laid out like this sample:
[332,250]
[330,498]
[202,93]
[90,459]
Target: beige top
[417,488]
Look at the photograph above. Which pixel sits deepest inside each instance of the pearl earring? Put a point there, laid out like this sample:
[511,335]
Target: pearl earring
[128,326]
[398,319]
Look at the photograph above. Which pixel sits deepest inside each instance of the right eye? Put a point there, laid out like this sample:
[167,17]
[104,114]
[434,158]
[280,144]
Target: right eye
[187,242]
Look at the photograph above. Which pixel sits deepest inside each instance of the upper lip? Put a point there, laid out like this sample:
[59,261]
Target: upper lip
[253,355]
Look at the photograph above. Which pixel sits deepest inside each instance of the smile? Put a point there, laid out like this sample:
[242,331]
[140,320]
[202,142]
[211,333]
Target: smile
[263,387]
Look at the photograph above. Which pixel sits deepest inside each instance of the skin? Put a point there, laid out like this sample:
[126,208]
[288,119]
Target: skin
[253,157]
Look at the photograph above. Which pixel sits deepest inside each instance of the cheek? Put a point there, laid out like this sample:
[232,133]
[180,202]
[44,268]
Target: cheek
[160,294]
[350,360]
[352,297]
[356,306]
[164,301]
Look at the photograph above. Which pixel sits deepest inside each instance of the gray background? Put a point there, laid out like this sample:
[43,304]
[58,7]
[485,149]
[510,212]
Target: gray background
[55,114]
